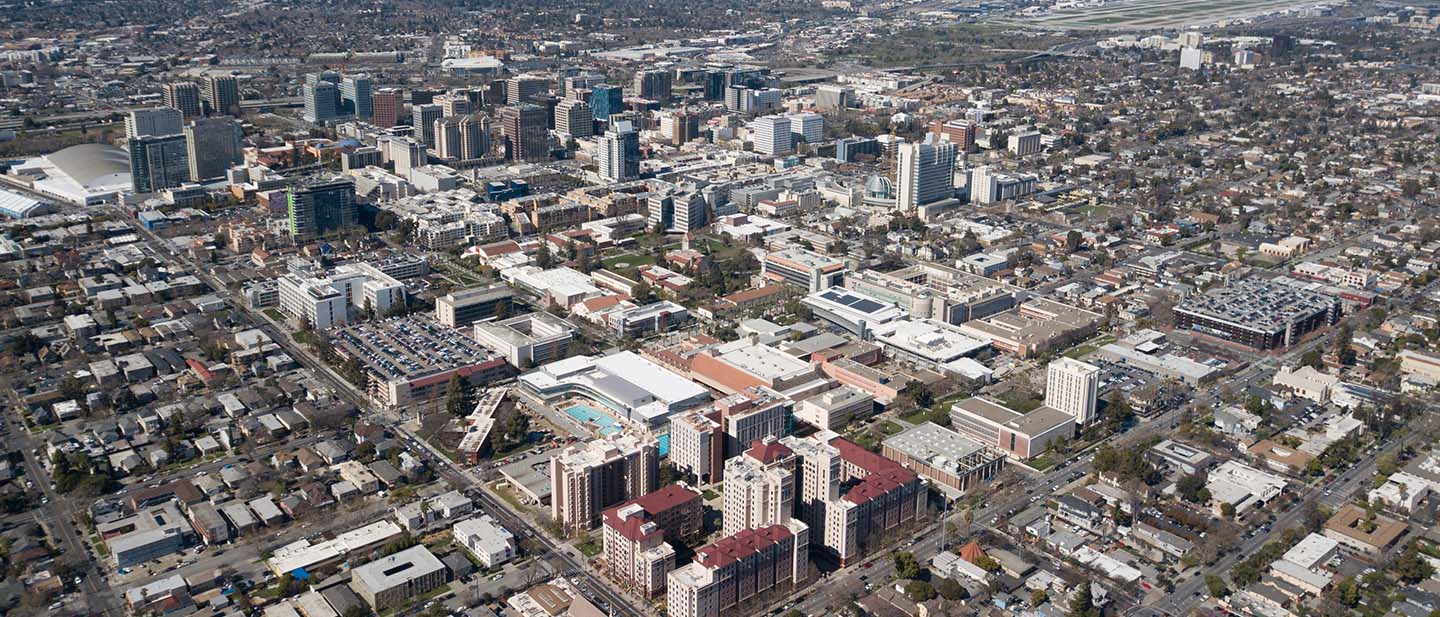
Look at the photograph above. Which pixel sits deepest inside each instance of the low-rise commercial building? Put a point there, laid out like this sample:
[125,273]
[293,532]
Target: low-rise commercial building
[834,408]
[491,544]
[804,269]
[390,581]
[527,340]
[1020,435]
[948,458]
[462,308]
[1035,327]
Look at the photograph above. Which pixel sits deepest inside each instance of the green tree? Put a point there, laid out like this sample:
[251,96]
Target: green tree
[919,591]
[1192,488]
[951,590]
[1411,567]
[906,566]
[1082,604]
[1038,597]
[1215,585]
[455,395]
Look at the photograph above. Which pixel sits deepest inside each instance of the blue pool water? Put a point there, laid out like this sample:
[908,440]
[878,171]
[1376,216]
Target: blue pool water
[608,425]
[586,414]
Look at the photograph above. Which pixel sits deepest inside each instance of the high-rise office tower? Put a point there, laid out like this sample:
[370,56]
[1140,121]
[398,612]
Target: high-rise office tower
[385,107]
[574,118]
[423,118]
[1072,386]
[1024,143]
[716,86]
[548,102]
[772,135]
[653,84]
[184,96]
[158,162]
[407,154]
[462,138]
[454,104]
[321,206]
[808,127]
[355,97]
[156,121]
[322,101]
[222,95]
[519,89]
[833,97]
[680,126]
[213,146]
[925,173]
[606,99]
[581,83]
[960,132]
[526,138]
[619,157]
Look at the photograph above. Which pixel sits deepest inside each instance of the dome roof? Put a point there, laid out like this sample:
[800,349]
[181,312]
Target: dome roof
[92,164]
[878,186]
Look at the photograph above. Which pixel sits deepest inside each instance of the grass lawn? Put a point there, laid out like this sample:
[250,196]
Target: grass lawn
[708,495]
[889,428]
[1023,402]
[936,414]
[625,264]
[274,314]
[1042,462]
[589,549]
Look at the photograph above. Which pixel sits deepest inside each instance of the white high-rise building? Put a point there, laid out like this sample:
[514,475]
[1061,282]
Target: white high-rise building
[759,487]
[989,186]
[156,122]
[1073,386]
[772,135]
[925,172]
[618,158]
[573,117]
[1024,143]
[808,127]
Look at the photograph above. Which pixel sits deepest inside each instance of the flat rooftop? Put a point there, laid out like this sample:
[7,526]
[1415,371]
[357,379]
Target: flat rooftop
[938,446]
[398,569]
[1256,304]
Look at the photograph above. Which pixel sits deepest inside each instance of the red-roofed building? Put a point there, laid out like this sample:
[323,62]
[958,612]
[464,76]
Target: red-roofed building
[636,555]
[852,496]
[727,575]
[760,487]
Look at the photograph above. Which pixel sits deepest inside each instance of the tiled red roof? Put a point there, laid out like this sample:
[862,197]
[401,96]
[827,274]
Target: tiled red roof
[671,496]
[878,485]
[767,452]
[631,527]
[743,544]
[871,462]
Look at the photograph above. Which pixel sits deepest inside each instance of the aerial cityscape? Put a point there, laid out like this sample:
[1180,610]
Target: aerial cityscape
[789,308]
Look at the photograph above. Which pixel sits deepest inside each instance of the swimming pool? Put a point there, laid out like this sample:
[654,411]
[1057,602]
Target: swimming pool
[662,444]
[585,414]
